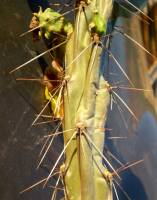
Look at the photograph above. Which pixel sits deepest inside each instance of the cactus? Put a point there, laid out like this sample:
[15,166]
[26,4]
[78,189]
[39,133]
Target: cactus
[79,96]
[85,97]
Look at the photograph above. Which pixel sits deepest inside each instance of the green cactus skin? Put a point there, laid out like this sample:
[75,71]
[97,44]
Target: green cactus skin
[85,107]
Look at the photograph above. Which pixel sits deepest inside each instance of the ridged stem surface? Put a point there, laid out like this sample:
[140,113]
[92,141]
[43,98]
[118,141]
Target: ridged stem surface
[86,100]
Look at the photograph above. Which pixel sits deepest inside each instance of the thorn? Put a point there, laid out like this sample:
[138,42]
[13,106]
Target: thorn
[131,88]
[121,68]
[101,154]
[65,147]
[116,159]
[125,193]
[134,41]
[31,60]
[41,160]
[121,114]
[43,147]
[36,79]
[44,122]
[139,17]
[129,165]
[38,183]
[111,138]
[128,108]
[58,133]
[55,190]
[139,10]
[29,31]
[115,191]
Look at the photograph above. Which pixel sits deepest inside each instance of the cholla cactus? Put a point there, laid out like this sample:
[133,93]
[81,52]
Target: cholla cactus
[85,97]
[79,96]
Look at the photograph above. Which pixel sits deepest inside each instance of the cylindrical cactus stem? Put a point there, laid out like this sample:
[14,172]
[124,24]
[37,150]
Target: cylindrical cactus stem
[102,186]
[85,96]
[85,105]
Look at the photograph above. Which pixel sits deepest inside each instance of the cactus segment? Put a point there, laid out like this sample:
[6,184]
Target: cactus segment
[52,22]
[85,101]
[86,107]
